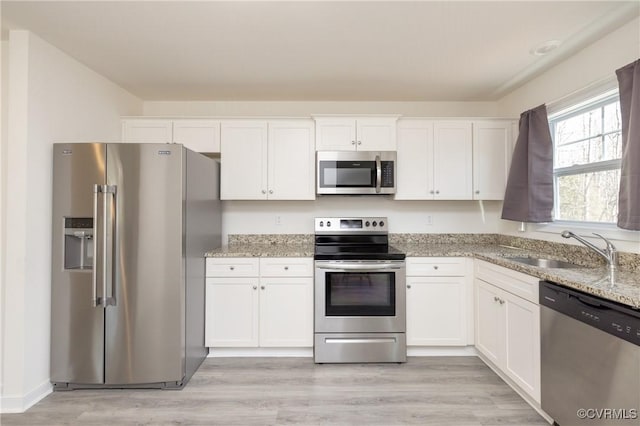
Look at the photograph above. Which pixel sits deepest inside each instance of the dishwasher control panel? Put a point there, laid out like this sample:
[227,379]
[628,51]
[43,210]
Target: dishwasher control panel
[611,317]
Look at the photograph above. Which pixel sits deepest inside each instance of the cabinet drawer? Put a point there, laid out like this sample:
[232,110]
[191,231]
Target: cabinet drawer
[514,282]
[286,267]
[232,267]
[436,266]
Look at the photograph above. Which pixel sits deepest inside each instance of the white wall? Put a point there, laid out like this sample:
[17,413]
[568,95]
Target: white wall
[4,97]
[594,63]
[305,109]
[259,217]
[52,98]
[587,68]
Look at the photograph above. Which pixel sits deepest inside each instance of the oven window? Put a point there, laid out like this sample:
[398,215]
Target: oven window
[341,174]
[360,294]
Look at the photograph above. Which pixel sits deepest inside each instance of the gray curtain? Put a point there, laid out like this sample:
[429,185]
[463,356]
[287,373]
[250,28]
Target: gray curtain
[629,200]
[529,193]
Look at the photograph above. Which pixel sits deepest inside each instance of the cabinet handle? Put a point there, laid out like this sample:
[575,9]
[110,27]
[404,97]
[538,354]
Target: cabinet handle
[496,298]
[261,287]
[477,191]
[255,287]
[359,142]
[431,192]
[502,301]
[271,191]
[264,192]
[437,192]
[286,268]
[353,142]
[232,268]
[408,286]
[435,267]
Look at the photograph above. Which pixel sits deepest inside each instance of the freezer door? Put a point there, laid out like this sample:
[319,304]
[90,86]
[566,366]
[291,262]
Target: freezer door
[145,317]
[77,324]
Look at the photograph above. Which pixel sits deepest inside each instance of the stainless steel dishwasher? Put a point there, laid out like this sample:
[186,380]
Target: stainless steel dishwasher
[590,358]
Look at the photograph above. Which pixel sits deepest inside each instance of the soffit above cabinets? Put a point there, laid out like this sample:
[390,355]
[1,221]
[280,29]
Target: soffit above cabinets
[317,51]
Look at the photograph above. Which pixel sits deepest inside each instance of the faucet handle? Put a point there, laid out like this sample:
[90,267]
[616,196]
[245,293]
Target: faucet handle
[610,246]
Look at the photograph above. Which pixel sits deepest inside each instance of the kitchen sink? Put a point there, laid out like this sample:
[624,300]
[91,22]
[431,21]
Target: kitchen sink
[544,263]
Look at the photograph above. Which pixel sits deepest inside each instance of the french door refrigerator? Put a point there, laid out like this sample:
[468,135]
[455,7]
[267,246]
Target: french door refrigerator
[131,224]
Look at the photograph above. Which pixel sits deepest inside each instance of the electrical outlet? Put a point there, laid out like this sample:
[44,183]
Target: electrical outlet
[429,220]
[278,220]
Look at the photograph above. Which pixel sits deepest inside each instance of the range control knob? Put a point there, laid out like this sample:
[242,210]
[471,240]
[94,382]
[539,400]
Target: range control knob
[367,223]
[375,223]
[381,223]
[328,223]
[321,223]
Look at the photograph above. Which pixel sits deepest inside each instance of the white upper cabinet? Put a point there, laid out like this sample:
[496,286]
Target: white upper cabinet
[291,160]
[197,135]
[434,160]
[267,160]
[415,160]
[356,133]
[147,131]
[492,141]
[243,160]
[452,160]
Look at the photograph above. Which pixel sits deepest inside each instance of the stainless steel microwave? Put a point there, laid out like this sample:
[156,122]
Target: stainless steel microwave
[356,172]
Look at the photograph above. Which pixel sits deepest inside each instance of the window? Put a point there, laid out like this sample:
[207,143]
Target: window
[587,150]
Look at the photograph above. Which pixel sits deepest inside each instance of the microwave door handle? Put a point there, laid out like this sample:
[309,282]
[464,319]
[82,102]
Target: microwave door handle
[378,174]
[95,301]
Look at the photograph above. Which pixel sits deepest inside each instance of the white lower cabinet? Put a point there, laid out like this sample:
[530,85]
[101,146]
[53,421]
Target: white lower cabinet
[273,308]
[437,302]
[508,327]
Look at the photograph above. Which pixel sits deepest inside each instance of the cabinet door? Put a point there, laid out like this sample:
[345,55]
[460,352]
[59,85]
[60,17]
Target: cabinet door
[291,160]
[147,131]
[436,311]
[335,134]
[243,160]
[415,157]
[522,328]
[376,134]
[490,320]
[286,312]
[452,165]
[197,135]
[491,151]
[232,312]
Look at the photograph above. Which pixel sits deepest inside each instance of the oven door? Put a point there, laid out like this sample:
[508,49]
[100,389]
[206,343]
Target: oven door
[360,296]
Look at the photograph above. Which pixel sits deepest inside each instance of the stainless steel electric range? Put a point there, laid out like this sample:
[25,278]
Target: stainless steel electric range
[360,292]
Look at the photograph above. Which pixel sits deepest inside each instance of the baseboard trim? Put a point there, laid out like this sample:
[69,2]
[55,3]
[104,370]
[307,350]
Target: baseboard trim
[442,351]
[260,352]
[20,404]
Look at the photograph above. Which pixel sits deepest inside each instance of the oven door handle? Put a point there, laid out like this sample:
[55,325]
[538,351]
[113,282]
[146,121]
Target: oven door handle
[358,266]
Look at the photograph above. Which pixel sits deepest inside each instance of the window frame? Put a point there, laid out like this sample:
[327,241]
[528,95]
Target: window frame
[597,94]
[580,108]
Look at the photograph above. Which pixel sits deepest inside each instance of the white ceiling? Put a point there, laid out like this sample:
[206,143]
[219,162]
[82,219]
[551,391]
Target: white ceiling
[338,51]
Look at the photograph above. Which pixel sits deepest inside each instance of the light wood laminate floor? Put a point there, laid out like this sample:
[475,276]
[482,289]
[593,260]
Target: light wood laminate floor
[295,391]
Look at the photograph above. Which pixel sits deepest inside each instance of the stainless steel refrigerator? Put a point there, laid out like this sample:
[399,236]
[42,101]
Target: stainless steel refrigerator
[131,223]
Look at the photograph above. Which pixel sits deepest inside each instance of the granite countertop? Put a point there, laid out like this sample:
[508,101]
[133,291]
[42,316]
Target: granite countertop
[592,277]
[623,287]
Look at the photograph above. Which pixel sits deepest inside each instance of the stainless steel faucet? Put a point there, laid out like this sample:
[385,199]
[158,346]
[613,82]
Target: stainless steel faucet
[609,252]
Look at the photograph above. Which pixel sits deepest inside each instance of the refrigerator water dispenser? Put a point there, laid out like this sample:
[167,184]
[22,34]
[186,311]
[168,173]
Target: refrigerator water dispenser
[78,243]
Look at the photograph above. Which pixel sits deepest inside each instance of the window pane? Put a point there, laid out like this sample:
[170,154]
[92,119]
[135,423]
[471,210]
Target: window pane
[589,151]
[579,127]
[591,197]
[612,120]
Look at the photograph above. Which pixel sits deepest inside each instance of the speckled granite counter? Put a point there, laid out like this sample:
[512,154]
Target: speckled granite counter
[593,277]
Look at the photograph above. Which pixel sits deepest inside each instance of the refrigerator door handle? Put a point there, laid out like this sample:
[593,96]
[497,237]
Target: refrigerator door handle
[95,301]
[107,244]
